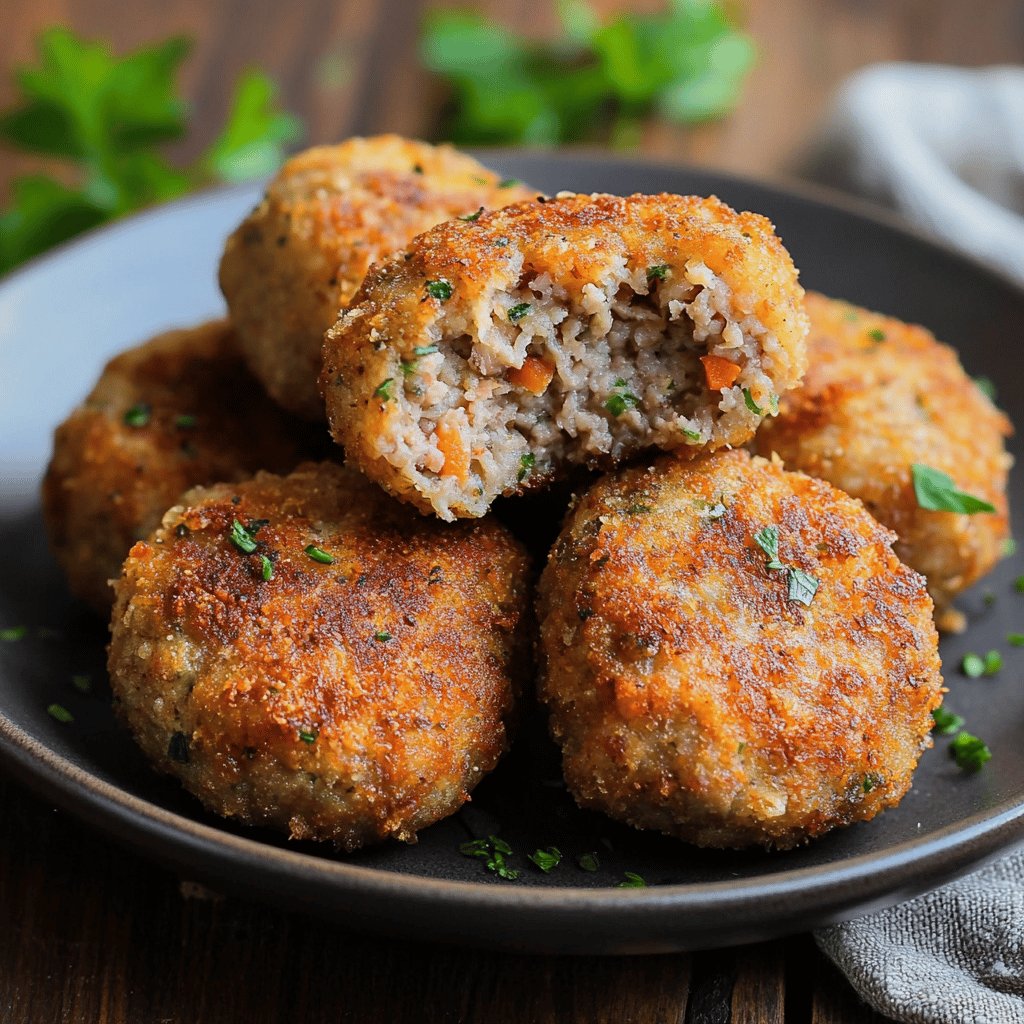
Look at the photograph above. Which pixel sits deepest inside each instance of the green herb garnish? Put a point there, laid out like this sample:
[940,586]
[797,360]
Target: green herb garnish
[547,859]
[1009,548]
[936,492]
[408,368]
[13,633]
[440,290]
[946,722]
[1018,584]
[82,682]
[876,334]
[424,350]
[383,390]
[658,273]
[588,862]
[60,713]
[492,851]
[974,665]
[767,539]
[319,555]
[621,400]
[986,387]
[508,182]
[632,881]
[748,401]
[685,63]
[526,463]
[517,312]
[242,538]
[1015,639]
[266,568]
[382,636]
[138,415]
[802,586]
[307,735]
[186,421]
[470,217]
[107,119]
[693,436]
[969,752]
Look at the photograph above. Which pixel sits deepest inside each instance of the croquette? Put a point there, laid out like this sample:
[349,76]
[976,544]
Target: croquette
[306,653]
[879,396]
[733,655]
[491,355]
[328,215]
[177,411]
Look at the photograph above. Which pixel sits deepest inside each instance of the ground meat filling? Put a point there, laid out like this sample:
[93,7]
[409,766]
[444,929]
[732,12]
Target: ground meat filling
[584,377]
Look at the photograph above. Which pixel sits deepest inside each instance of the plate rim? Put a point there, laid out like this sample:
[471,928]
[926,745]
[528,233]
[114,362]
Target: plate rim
[881,877]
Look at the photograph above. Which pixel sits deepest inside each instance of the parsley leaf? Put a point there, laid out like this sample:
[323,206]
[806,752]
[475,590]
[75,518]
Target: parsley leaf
[526,463]
[632,881]
[440,290]
[936,492]
[802,586]
[493,852]
[517,312]
[767,539]
[547,859]
[588,862]
[686,64]
[107,117]
[946,722]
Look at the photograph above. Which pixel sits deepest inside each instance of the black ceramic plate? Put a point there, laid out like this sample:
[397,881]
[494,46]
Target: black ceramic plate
[61,317]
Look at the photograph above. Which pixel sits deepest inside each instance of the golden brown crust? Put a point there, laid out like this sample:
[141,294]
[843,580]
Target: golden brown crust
[878,396]
[328,214]
[349,702]
[575,240]
[692,695]
[205,419]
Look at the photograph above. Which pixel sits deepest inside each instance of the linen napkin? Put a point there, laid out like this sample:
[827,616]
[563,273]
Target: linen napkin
[945,148]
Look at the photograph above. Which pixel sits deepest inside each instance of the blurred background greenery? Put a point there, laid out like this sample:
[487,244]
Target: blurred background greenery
[105,113]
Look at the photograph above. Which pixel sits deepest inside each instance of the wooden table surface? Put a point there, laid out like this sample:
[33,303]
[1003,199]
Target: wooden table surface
[92,933]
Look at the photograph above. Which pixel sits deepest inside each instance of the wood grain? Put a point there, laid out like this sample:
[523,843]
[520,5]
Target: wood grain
[91,934]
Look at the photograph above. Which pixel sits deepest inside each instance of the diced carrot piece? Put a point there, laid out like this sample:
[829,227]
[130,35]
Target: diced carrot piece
[534,375]
[454,450]
[719,372]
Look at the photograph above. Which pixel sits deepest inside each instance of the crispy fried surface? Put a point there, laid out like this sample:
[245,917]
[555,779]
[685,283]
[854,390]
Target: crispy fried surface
[203,418]
[352,701]
[328,215]
[566,250]
[692,696]
[880,395]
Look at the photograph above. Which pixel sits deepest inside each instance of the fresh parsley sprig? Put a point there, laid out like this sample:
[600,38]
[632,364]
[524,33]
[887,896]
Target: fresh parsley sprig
[108,118]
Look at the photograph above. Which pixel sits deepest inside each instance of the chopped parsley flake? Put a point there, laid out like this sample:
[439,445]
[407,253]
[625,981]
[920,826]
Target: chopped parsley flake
[508,182]
[526,463]
[424,350]
[547,859]
[969,752]
[242,538]
[1015,639]
[492,851]
[408,368]
[82,683]
[1018,584]
[658,273]
[472,216]
[693,436]
[13,633]
[186,421]
[876,334]
[936,492]
[632,881]
[773,405]
[946,722]
[383,389]
[517,312]
[974,666]
[802,586]
[266,568]
[1009,548]
[748,401]
[307,735]
[986,387]
[382,636]
[588,862]
[440,290]
[622,400]
[767,539]
[319,555]
[870,782]
[60,713]
[715,511]
[138,415]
